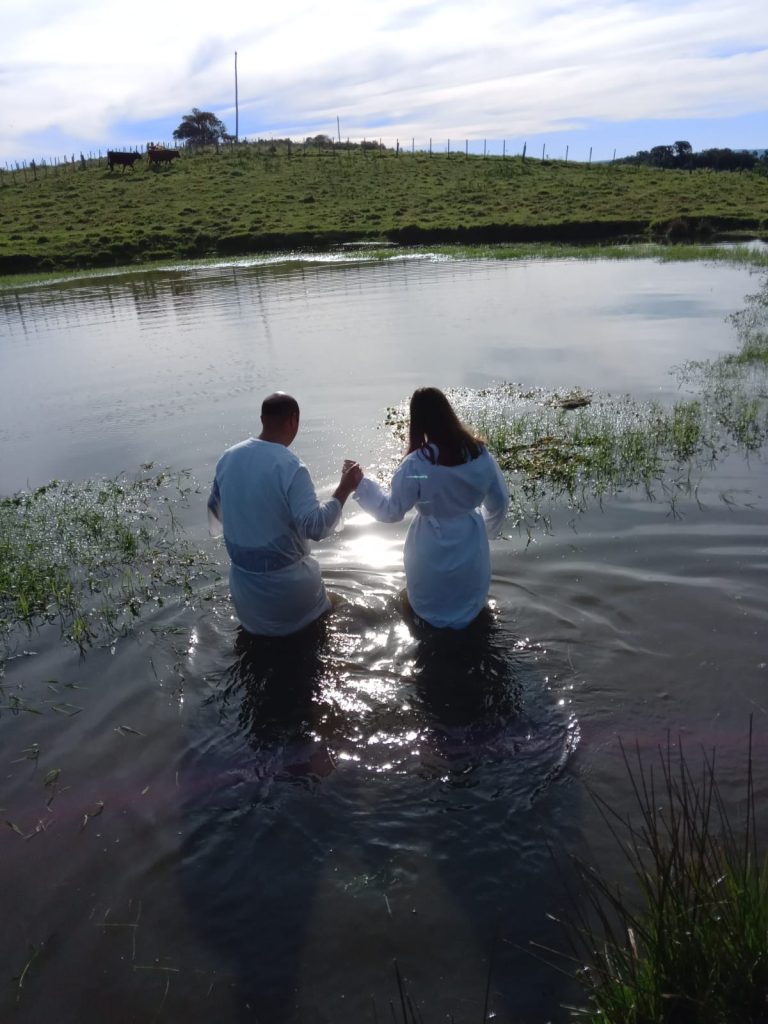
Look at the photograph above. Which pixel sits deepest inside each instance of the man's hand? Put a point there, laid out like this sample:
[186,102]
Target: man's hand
[351,475]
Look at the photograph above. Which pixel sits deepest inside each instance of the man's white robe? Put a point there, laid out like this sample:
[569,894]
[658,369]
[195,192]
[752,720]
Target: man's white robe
[264,502]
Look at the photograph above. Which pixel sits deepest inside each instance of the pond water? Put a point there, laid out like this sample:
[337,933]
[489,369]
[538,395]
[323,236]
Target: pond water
[258,832]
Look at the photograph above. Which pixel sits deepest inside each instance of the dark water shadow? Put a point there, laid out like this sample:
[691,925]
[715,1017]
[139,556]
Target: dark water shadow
[466,678]
[489,717]
[247,864]
[282,789]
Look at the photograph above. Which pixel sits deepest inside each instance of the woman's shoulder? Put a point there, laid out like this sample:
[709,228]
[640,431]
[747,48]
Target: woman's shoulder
[426,456]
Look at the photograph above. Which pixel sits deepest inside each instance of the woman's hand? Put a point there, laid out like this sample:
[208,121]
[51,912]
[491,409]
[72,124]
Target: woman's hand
[350,465]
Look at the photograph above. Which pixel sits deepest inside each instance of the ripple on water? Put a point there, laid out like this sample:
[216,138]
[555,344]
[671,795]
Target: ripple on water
[394,731]
[357,770]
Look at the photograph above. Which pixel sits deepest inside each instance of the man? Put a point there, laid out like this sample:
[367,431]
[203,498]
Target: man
[264,503]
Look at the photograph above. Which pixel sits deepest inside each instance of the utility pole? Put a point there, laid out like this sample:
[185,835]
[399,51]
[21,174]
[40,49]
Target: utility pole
[237,109]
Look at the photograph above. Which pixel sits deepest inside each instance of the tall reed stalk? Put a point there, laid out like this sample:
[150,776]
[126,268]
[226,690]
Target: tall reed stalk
[688,942]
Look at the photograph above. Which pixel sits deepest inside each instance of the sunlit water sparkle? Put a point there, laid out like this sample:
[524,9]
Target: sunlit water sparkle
[282,820]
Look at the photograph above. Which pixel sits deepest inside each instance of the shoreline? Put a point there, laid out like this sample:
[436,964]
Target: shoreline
[730,248]
[575,236]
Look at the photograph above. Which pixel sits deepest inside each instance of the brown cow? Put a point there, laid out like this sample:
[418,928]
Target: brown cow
[162,156]
[122,159]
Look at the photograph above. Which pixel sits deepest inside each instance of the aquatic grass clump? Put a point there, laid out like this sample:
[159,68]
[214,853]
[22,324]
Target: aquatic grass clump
[91,554]
[751,324]
[599,449]
[687,943]
[555,451]
[572,446]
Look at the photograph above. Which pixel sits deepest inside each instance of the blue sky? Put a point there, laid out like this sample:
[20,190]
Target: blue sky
[88,75]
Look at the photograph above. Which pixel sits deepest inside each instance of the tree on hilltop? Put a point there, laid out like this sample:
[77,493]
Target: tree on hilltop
[200,128]
[683,152]
[662,156]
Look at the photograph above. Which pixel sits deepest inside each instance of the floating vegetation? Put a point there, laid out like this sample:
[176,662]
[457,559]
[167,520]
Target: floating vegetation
[91,555]
[569,447]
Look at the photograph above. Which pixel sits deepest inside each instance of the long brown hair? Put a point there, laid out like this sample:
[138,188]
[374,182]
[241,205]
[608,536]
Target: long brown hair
[433,421]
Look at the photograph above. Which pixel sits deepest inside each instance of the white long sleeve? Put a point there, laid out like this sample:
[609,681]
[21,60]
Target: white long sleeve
[314,519]
[495,503]
[403,495]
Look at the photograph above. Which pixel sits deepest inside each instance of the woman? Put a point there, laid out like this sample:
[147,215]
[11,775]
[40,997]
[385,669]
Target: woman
[447,474]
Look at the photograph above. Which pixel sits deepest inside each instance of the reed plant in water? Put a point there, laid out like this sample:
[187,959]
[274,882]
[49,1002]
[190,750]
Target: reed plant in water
[687,941]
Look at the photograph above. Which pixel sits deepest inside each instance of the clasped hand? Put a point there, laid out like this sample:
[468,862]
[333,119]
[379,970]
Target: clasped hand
[351,475]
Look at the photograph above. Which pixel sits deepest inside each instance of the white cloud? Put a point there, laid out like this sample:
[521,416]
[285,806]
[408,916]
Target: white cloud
[83,70]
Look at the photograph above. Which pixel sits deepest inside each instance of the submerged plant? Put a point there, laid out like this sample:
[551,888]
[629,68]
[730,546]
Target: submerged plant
[688,942]
[91,554]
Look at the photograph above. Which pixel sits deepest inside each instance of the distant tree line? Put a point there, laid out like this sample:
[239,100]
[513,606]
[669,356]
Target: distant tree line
[326,142]
[680,156]
[202,128]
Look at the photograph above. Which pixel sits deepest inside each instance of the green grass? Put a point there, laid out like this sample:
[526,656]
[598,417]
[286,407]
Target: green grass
[246,200]
[91,555]
[687,941]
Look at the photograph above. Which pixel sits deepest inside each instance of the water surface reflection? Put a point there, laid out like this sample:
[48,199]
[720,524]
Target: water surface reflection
[283,820]
[171,366]
[367,778]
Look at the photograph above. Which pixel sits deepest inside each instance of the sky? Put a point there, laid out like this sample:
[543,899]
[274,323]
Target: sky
[574,76]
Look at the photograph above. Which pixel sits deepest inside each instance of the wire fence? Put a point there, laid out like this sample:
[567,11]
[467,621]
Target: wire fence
[16,172]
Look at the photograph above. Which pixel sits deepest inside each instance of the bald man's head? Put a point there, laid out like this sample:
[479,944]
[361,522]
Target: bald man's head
[279,407]
[279,418]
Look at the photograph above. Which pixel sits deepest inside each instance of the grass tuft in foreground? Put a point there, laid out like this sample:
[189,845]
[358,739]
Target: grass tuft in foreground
[689,943]
[91,554]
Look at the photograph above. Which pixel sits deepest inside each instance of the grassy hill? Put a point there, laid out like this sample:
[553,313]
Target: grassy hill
[245,200]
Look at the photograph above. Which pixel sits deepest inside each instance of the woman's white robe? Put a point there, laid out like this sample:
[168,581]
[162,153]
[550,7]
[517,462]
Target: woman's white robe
[446,554]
